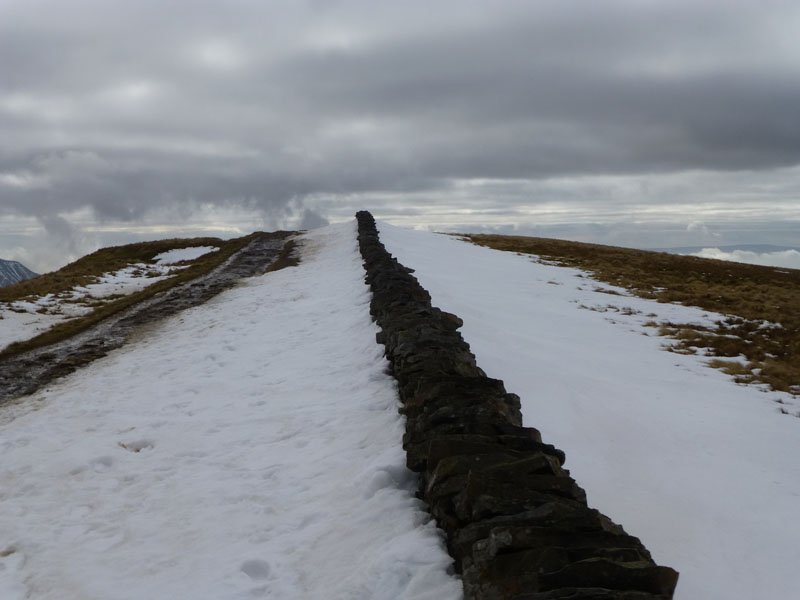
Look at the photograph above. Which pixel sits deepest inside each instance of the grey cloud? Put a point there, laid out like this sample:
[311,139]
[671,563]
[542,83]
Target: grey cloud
[311,220]
[491,108]
[123,108]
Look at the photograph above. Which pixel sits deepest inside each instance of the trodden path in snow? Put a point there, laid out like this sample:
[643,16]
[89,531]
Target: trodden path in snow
[245,448]
[25,373]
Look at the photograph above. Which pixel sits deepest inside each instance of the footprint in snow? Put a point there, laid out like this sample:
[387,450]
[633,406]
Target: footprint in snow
[11,576]
[101,464]
[255,569]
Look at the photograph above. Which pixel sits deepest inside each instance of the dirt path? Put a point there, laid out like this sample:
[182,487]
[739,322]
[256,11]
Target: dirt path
[25,373]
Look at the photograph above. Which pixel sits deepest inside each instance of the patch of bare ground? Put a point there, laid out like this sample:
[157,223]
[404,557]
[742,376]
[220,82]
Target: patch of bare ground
[287,258]
[758,340]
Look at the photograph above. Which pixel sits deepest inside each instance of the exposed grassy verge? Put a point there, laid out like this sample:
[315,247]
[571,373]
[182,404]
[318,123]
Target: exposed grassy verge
[112,259]
[287,258]
[761,304]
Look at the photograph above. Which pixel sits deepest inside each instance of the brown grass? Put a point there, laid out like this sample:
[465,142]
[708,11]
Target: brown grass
[287,258]
[749,296]
[731,367]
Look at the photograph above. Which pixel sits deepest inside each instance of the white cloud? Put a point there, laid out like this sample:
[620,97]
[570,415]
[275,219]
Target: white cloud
[787,259]
[220,54]
[128,94]
[23,180]
[697,226]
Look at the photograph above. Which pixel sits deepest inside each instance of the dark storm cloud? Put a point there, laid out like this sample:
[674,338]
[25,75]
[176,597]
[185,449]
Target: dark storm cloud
[501,103]
[125,107]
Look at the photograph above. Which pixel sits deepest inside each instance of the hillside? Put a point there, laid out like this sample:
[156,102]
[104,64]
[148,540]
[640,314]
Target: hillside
[61,304]
[701,468]
[251,446]
[756,338]
[51,330]
[12,272]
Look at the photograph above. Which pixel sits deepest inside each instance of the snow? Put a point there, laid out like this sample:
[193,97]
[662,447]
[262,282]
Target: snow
[703,470]
[251,447]
[128,280]
[246,448]
[18,326]
[24,319]
[180,254]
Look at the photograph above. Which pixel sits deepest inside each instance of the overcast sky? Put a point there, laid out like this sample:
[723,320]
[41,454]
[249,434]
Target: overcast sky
[633,122]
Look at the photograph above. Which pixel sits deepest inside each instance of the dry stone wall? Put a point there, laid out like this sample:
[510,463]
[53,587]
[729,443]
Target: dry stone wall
[517,525]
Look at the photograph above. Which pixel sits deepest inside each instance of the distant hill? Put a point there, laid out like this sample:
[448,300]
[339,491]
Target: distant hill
[12,271]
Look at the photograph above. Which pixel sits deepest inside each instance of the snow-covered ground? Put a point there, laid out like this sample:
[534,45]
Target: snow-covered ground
[170,257]
[705,471]
[24,319]
[250,447]
[247,448]
[22,322]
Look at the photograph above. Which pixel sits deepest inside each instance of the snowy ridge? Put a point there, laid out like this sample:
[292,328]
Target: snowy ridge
[517,524]
[246,448]
[12,272]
